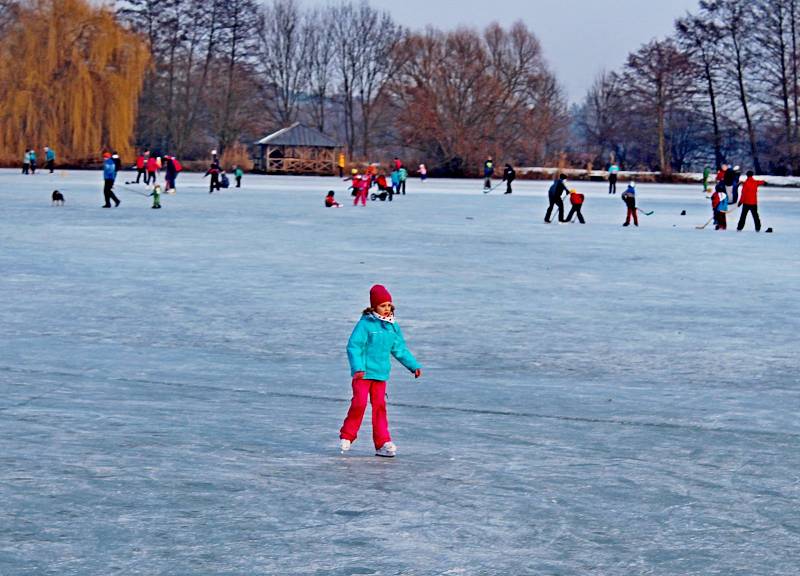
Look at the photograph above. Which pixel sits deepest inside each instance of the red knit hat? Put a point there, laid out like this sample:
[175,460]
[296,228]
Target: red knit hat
[106,155]
[378,295]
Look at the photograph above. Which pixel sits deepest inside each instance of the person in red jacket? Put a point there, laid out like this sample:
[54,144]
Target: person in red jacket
[749,201]
[152,169]
[721,173]
[361,186]
[141,159]
[576,199]
[330,201]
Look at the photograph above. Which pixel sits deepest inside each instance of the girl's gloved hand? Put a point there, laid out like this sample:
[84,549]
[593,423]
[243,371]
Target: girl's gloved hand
[417,373]
[358,376]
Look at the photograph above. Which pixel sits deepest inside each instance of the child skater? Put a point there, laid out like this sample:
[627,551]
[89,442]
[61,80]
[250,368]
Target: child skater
[576,198]
[629,197]
[374,339]
[330,201]
[719,203]
[156,194]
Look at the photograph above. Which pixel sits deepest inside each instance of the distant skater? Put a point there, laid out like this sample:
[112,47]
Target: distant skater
[156,194]
[171,169]
[403,173]
[613,172]
[32,155]
[749,201]
[109,176]
[719,203]
[361,188]
[423,172]
[49,159]
[141,166]
[213,171]
[509,175]
[576,199]
[152,170]
[330,201]
[375,339]
[629,197]
[26,162]
[238,173]
[558,188]
[488,172]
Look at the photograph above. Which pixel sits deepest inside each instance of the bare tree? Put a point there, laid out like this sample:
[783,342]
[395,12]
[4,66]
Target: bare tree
[601,114]
[698,37]
[463,94]
[229,102]
[283,59]
[736,24]
[319,61]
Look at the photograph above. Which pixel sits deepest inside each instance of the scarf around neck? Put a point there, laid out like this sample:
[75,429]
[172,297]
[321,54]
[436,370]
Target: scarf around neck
[389,319]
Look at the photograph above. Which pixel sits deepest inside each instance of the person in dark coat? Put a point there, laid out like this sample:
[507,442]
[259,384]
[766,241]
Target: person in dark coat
[558,188]
[170,174]
[508,177]
[213,171]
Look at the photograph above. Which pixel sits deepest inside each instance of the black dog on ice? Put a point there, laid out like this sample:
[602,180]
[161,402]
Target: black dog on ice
[58,198]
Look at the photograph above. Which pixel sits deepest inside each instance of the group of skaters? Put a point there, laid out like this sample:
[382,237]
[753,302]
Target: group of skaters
[729,193]
[374,176]
[30,159]
[148,166]
[729,190]
[509,175]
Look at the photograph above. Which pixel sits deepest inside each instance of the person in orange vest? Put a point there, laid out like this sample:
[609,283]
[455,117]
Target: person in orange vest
[576,199]
[749,201]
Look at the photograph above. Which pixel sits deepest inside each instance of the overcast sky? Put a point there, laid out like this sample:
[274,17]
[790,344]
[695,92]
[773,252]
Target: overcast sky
[579,37]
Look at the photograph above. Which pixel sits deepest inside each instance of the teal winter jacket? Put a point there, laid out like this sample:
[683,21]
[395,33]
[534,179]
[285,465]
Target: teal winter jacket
[371,344]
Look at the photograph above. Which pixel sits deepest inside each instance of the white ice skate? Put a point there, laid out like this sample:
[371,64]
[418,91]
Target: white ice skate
[388,450]
[344,445]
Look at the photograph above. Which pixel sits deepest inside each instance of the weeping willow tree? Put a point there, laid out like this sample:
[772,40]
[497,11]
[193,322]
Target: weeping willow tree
[70,78]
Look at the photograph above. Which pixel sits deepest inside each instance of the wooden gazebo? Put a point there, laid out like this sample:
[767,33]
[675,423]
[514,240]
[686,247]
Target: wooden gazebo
[297,149]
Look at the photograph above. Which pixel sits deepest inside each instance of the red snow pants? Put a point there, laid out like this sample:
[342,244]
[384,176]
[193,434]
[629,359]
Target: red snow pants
[361,194]
[376,390]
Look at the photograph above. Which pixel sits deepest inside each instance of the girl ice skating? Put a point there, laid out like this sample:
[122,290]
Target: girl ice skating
[375,338]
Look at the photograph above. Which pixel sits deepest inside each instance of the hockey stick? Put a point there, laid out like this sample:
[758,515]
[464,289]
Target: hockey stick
[712,218]
[135,191]
[704,225]
[645,213]
[495,187]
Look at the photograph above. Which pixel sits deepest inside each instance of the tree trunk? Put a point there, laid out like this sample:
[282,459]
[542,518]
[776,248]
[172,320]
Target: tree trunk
[795,88]
[714,115]
[660,113]
[743,99]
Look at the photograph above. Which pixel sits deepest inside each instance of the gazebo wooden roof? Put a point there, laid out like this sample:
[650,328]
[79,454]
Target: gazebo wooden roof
[296,149]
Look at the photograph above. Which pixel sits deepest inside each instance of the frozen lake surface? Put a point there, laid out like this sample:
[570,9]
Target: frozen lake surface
[595,399]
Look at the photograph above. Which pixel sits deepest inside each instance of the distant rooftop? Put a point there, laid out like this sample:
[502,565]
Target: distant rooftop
[299,135]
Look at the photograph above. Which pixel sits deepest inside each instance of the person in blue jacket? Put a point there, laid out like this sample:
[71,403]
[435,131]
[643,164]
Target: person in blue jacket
[488,172]
[375,339]
[109,176]
[50,158]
